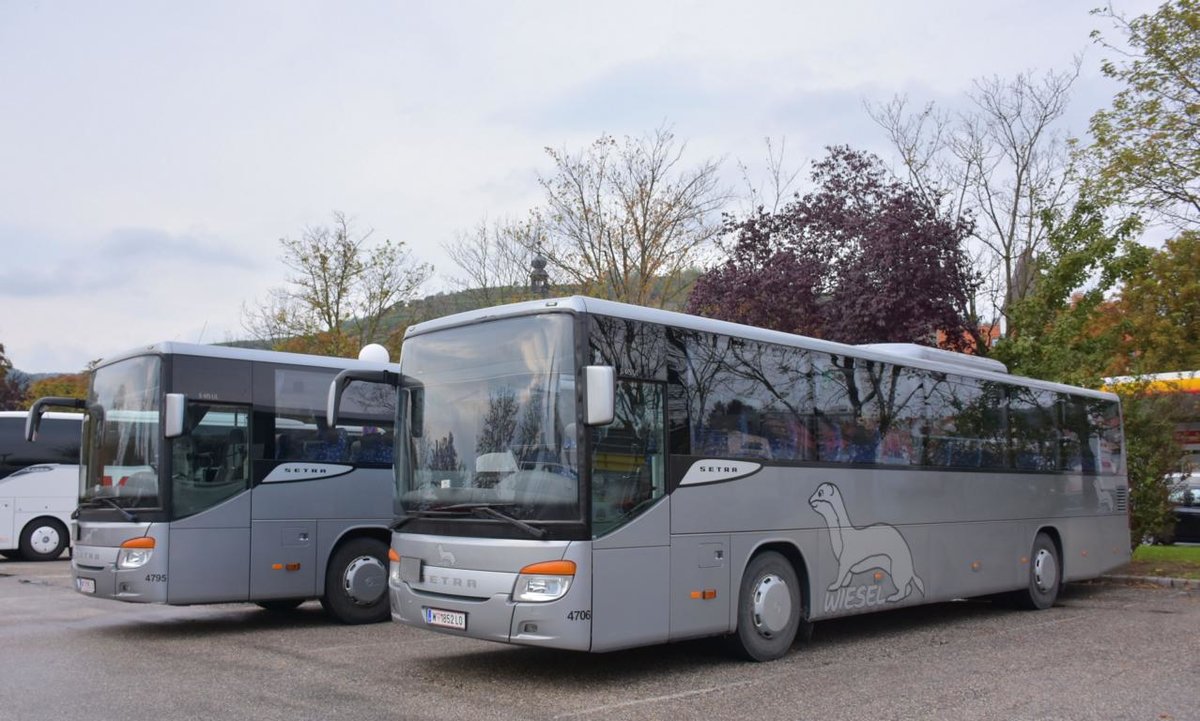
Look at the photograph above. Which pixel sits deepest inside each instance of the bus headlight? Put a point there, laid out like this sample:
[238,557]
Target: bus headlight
[135,553]
[394,566]
[541,582]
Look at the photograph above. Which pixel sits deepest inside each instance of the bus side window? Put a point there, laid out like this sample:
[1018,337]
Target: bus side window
[331,446]
[373,447]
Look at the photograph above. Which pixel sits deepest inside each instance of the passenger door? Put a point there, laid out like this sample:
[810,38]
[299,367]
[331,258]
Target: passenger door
[209,478]
[631,521]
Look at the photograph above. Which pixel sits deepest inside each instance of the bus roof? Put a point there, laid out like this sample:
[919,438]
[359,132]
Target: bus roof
[247,354]
[906,354]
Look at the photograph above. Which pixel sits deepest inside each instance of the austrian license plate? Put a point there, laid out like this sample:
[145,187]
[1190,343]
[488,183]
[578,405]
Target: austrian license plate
[85,585]
[445,619]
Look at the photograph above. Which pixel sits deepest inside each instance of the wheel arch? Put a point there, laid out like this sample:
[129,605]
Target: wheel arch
[1055,538]
[789,550]
[348,534]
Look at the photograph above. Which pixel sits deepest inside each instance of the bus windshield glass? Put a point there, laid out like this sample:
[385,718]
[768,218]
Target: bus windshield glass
[496,430]
[120,437]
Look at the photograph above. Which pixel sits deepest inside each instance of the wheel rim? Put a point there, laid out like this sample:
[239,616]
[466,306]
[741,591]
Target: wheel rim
[365,580]
[772,606]
[1045,570]
[44,539]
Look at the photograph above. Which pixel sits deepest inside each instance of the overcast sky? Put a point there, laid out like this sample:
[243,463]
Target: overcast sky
[152,154]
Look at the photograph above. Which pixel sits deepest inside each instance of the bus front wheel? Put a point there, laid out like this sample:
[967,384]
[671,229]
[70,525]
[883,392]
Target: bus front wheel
[1045,575]
[356,582]
[43,539]
[770,612]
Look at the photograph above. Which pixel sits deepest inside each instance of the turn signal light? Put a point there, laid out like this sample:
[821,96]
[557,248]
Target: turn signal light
[135,552]
[393,556]
[546,581]
[551,568]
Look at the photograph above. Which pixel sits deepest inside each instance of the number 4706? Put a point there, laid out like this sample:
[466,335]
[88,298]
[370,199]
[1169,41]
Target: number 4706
[579,615]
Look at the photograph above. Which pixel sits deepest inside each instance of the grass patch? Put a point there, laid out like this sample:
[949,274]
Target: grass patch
[1168,561]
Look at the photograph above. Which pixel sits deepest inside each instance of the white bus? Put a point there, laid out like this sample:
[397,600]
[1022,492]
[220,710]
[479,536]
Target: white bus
[209,475]
[589,475]
[39,485]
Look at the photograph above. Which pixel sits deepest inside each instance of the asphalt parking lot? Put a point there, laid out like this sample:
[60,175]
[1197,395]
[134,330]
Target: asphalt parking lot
[1106,651]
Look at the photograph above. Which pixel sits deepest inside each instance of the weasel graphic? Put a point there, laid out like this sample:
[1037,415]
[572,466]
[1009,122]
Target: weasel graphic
[445,557]
[859,550]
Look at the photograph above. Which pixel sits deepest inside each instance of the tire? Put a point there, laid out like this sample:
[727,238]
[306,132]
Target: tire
[43,539]
[280,605]
[770,609]
[356,582]
[1045,576]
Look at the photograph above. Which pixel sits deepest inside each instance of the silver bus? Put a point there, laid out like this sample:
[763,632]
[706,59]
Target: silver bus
[209,475]
[588,475]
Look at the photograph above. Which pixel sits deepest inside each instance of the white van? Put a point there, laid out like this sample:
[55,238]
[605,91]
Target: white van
[39,485]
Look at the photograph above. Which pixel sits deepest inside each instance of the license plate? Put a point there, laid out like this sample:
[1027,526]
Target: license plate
[85,585]
[445,619]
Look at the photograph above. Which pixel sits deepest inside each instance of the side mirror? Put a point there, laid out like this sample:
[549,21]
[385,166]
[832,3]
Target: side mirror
[34,419]
[173,415]
[601,385]
[338,386]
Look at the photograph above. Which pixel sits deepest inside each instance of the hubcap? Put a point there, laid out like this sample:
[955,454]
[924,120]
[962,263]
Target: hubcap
[772,605]
[365,580]
[1045,570]
[44,539]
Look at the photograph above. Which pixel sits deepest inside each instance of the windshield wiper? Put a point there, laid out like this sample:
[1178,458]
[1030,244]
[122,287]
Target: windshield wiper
[483,510]
[104,501]
[491,512]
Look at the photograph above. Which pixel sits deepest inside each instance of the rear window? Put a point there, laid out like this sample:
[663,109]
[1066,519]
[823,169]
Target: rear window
[58,442]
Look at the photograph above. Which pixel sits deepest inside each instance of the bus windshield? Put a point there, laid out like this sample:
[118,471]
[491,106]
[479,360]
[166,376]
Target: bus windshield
[120,436]
[496,431]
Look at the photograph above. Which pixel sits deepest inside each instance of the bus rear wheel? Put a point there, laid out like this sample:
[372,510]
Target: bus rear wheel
[770,610]
[1045,576]
[43,539]
[356,582]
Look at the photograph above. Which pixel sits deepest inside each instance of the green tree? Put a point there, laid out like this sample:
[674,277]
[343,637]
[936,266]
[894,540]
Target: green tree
[1065,331]
[339,292]
[71,385]
[1152,452]
[1146,148]
[1054,332]
[12,396]
[1160,307]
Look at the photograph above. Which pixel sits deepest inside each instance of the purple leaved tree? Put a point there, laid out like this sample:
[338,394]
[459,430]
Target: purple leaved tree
[860,259]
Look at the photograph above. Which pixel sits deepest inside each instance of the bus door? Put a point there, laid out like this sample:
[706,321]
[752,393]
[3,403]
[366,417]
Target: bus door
[630,521]
[210,535]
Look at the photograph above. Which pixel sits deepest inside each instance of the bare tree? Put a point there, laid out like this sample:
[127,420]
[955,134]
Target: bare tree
[495,261]
[1003,162]
[776,183]
[339,292]
[628,220]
